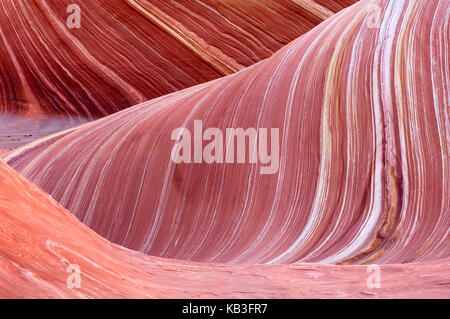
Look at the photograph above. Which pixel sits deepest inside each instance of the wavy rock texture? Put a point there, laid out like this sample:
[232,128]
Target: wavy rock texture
[34,260]
[364,167]
[130,51]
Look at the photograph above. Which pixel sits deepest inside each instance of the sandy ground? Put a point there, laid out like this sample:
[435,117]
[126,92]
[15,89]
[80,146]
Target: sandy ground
[16,131]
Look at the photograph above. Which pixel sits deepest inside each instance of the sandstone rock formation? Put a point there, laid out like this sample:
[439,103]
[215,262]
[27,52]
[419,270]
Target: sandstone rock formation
[361,103]
[364,169]
[130,51]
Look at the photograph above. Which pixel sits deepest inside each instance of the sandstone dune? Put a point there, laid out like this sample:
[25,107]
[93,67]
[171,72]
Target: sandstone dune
[130,51]
[362,105]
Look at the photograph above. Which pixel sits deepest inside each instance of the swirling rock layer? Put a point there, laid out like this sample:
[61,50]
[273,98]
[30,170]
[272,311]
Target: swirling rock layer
[35,261]
[362,107]
[130,51]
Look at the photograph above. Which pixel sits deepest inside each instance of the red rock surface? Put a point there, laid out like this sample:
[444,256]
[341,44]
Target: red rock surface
[130,51]
[34,259]
[364,171]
